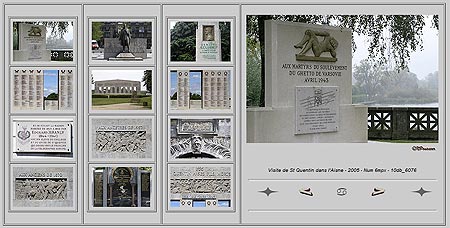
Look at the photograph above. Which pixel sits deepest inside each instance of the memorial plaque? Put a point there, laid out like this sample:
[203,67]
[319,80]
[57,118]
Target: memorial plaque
[42,89]
[43,136]
[200,139]
[196,126]
[122,186]
[98,188]
[122,191]
[66,90]
[200,186]
[120,138]
[145,188]
[200,89]
[42,187]
[208,42]
[138,46]
[316,109]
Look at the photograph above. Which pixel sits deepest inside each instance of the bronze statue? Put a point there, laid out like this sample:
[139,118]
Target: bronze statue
[124,37]
[328,44]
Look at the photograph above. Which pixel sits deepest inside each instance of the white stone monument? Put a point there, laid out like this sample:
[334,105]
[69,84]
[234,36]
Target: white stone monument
[208,42]
[308,87]
[32,43]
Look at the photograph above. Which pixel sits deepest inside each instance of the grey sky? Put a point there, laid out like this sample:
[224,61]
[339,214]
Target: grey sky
[422,62]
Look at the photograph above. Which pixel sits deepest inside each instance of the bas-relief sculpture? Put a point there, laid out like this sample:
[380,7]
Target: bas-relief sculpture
[209,185]
[311,41]
[40,189]
[120,142]
[121,138]
[208,33]
[200,139]
[193,186]
[43,187]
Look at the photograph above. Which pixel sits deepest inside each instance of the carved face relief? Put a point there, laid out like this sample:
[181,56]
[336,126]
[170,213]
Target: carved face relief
[196,144]
[208,33]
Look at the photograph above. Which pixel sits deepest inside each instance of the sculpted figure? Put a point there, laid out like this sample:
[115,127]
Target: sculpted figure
[124,37]
[35,31]
[208,33]
[311,41]
[196,149]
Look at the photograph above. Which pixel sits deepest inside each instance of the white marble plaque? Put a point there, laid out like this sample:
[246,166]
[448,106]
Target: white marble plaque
[43,136]
[316,109]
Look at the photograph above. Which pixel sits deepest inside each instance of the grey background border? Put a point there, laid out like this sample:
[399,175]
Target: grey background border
[238,121]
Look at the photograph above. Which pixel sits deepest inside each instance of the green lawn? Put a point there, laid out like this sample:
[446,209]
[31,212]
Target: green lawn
[109,101]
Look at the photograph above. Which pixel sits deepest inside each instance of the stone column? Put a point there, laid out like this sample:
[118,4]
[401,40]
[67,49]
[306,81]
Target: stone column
[400,123]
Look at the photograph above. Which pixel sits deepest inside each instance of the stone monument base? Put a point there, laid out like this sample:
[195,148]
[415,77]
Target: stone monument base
[125,57]
[279,126]
[27,55]
[138,46]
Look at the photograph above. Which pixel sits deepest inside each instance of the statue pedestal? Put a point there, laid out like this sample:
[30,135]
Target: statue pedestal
[125,57]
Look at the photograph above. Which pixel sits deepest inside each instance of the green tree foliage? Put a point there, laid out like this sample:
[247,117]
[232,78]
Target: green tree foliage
[147,79]
[379,85]
[97,33]
[52,96]
[174,96]
[253,73]
[195,96]
[225,40]
[392,38]
[182,41]
[369,78]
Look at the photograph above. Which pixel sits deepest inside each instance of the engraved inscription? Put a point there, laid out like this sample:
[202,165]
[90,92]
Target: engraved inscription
[43,136]
[317,109]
